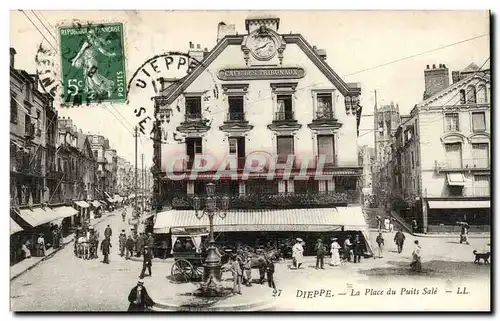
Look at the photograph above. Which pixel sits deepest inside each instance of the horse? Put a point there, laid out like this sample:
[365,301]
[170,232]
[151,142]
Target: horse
[83,248]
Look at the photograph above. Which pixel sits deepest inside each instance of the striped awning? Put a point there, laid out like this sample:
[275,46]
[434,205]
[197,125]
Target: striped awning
[14,227]
[455,179]
[458,204]
[305,220]
[65,211]
[82,204]
[38,216]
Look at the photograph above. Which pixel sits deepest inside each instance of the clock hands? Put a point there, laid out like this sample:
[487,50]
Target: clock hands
[267,43]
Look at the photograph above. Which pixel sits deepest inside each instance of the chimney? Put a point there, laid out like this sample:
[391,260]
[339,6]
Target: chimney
[198,47]
[436,79]
[321,53]
[191,45]
[197,54]
[225,30]
[12,56]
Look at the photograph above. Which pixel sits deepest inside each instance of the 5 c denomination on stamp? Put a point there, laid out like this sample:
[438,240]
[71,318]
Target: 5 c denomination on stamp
[93,63]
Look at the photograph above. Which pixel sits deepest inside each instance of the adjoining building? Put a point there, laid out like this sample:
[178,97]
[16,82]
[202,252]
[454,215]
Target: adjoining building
[261,97]
[440,165]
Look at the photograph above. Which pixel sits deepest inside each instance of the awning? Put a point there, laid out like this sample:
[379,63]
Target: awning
[145,217]
[18,145]
[459,204]
[82,204]
[107,195]
[455,179]
[96,203]
[38,216]
[14,227]
[65,211]
[110,200]
[310,220]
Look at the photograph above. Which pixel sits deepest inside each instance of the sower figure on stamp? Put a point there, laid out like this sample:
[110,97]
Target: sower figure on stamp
[399,239]
[139,298]
[146,263]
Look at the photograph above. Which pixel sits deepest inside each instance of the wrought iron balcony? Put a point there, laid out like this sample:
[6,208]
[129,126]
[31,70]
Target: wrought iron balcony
[466,164]
[325,115]
[284,116]
[235,117]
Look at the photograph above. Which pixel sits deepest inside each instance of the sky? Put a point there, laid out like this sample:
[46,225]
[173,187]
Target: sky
[368,47]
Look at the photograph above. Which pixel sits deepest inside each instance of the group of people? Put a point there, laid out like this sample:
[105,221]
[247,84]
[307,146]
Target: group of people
[399,239]
[134,244]
[387,224]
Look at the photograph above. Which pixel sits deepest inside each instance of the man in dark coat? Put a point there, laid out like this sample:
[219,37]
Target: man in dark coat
[139,245]
[146,262]
[106,249]
[129,244]
[357,249]
[139,298]
[399,239]
[320,254]
[151,243]
[108,232]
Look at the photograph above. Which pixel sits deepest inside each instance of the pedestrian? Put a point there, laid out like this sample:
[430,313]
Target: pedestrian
[270,275]
[247,266]
[334,250]
[464,233]
[348,248]
[146,263]
[380,242]
[298,253]
[139,245]
[262,266]
[391,225]
[139,298]
[26,250]
[144,241]
[129,244]
[387,222]
[237,274]
[122,240]
[357,249]
[108,232]
[320,254]
[416,263]
[151,243]
[40,245]
[414,226]
[399,239]
[379,223]
[106,248]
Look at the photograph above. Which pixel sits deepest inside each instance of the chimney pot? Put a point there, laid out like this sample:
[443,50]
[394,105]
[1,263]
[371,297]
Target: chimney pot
[198,46]
[433,66]
[428,67]
[191,46]
[206,49]
[444,66]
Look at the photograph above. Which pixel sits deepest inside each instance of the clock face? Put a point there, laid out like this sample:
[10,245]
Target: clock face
[263,47]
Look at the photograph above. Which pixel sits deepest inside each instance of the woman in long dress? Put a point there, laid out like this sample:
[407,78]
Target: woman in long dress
[386,224]
[416,264]
[334,250]
[95,83]
[298,253]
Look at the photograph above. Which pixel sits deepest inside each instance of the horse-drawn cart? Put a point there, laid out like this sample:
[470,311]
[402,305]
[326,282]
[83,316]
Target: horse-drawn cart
[188,255]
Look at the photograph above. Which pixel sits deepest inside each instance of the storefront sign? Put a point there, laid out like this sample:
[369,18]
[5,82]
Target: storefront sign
[260,73]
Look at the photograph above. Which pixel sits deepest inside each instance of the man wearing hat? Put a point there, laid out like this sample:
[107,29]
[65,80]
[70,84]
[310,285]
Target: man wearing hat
[348,248]
[298,253]
[129,244]
[122,239]
[139,298]
[320,249]
[108,232]
[40,245]
[146,263]
[151,243]
[106,248]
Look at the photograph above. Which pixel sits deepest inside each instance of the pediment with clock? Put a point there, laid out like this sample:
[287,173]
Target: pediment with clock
[263,46]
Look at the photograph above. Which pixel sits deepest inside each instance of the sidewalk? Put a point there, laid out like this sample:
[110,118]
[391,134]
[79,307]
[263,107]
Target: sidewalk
[473,235]
[27,264]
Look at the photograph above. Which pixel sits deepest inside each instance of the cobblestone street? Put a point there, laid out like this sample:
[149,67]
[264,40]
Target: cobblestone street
[66,283]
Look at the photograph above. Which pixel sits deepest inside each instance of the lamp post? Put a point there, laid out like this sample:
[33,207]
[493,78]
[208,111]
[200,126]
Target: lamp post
[212,265]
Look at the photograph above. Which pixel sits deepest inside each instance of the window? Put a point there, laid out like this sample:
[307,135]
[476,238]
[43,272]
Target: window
[28,91]
[482,95]
[451,121]
[285,111]
[455,190]
[236,108]
[325,110]
[480,156]
[285,148]
[454,155]
[471,95]
[462,96]
[482,185]
[326,148]
[27,124]
[193,107]
[478,122]
[38,120]
[13,110]
[193,148]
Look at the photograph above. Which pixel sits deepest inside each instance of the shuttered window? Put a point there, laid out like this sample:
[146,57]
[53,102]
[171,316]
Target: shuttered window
[478,122]
[481,185]
[454,155]
[326,148]
[480,155]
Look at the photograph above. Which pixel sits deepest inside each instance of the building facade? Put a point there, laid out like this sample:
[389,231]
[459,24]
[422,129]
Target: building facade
[247,104]
[440,163]
[99,144]
[125,176]
[111,168]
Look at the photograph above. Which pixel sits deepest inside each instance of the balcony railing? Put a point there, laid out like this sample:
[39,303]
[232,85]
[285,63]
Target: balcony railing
[193,117]
[481,191]
[279,201]
[284,116]
[25,163]
[467,164]
[235,117]
[325,115]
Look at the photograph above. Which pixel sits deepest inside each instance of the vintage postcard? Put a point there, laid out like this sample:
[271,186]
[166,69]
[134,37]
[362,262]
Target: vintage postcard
[254,161]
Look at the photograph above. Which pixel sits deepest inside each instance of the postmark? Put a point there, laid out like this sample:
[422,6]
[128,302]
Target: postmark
[93,63]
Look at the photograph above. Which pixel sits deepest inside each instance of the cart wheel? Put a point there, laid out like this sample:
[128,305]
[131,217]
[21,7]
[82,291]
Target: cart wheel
[198,273]
[182,271]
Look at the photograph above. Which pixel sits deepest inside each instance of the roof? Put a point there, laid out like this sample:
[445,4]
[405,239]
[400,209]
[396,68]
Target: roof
[298,39]
[459,84]
[471,68]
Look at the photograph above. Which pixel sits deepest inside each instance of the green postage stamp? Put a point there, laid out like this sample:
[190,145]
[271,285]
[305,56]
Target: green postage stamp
[93,63]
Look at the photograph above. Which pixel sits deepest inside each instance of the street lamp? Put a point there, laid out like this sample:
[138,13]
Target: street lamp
[212,266]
